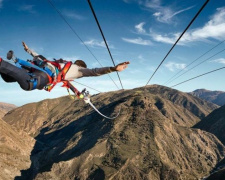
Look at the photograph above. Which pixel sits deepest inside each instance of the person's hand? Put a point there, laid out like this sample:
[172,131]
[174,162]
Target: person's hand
[25,46]
[121,66]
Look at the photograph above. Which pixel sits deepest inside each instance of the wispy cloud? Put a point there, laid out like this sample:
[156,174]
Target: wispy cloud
[139,28]
[95,43]
[73,15]
[220,60]
[138,40]
[164,38]
[156,37]
[163,14]
[172,66]
[27,8]
[214,28]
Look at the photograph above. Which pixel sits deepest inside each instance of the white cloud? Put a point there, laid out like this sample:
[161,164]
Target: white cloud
[96,43]
[139,27]
[172,66]
[164,38]
[214,28]
[157,14]
[163,14]
[220,60]
[138,40]
[73,15]
[166,14]
[180,11]
[27,8]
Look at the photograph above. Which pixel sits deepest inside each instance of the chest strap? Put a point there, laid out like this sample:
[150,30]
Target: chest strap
[60,77]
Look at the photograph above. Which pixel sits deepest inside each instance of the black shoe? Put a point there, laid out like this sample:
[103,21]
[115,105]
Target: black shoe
[10,55]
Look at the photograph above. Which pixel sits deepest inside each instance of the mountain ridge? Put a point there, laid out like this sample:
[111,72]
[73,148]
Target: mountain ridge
[5,107]
[151,139]
[216,97]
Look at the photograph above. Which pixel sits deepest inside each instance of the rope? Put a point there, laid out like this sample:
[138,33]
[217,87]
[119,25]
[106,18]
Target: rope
[64,19]
[96,19]
[198,64]
[198,76]
[87,86]
[170,80]
[179,39]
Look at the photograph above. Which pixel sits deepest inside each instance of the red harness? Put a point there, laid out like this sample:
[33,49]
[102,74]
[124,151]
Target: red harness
[60,77]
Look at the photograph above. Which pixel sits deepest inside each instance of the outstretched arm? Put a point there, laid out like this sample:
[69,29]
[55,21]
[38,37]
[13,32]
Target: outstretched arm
[32,53]
[85,72]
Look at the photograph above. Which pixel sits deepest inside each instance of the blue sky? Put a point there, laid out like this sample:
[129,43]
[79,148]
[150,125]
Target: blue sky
[139,31]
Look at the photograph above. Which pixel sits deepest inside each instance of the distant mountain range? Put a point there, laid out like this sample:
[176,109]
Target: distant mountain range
[152,138]
[5,107]
[216,97]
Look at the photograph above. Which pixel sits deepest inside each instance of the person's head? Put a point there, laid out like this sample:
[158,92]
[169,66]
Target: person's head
[80,63]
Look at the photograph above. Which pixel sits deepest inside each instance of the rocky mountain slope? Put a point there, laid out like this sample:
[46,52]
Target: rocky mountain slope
[216,97]
[5,107]
[151,139]
[215,124]
[181,108]
[15,151]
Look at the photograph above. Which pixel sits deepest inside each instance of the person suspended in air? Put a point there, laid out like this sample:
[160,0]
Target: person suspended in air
[41,73]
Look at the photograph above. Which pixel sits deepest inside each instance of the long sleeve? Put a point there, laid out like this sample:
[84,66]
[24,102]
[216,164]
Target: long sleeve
[78,72]
[32,53]
[95,72]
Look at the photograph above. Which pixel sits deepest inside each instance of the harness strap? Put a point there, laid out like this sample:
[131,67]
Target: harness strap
[56,64]
[62,73]
[20,63]
[60,77]
[68,85]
